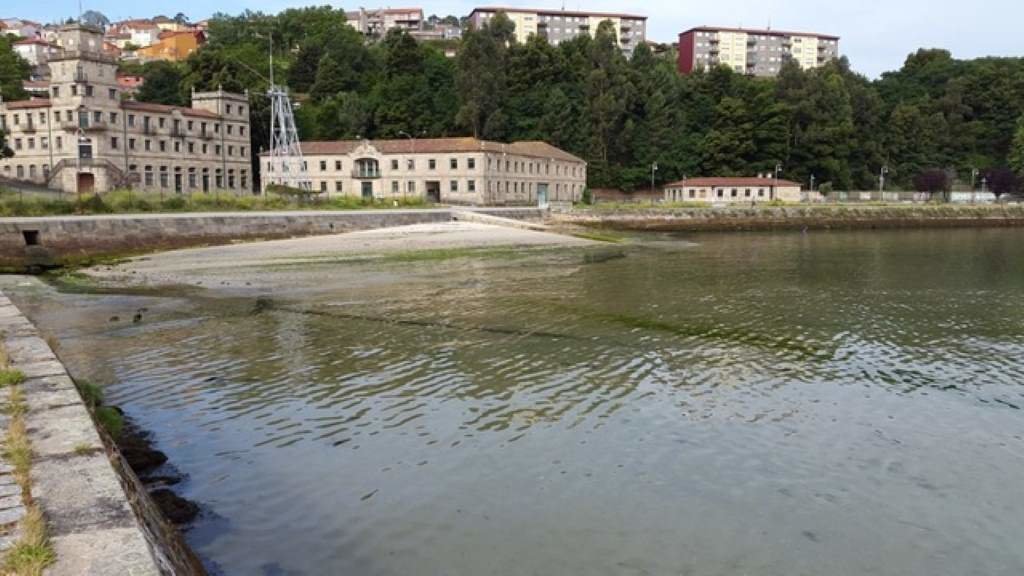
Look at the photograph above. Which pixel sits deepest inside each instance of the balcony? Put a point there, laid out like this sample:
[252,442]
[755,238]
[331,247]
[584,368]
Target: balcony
[28,128]
[366,174]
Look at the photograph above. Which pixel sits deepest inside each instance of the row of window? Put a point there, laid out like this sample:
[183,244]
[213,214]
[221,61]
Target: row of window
[721,193]
[455,186]
[370,166]
[85,119]
[115,143]
[192,178]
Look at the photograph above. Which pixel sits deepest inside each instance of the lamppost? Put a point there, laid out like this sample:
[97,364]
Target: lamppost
[812,182]
[881,182]
[974,176]
[654,168]
[412,142]
[775,181]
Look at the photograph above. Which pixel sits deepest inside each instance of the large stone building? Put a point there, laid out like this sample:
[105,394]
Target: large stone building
[733,190]
[448,170]
[560,25]
[754,52]
[86,137]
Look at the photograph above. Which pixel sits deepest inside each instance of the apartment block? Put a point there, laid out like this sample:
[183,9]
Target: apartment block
[560,25]
[377,23]
[448,170]
[84,137]
[753,52]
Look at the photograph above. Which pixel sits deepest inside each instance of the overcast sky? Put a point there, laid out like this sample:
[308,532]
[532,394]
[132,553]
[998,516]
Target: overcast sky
[876,35]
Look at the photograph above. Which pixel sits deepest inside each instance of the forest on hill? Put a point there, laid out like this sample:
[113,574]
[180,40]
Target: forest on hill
[621,115]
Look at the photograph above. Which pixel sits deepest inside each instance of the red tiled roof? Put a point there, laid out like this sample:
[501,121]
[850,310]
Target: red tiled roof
[23,104]
[533,149]
[556,12]
[718,182]
[28,84]
[165,109]
[764,32]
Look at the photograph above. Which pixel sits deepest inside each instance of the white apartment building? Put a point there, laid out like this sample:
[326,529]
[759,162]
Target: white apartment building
[85,138]
[561,25]
[446,170]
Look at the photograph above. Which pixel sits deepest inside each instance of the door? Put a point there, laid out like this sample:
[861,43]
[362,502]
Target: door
[177,183]
[86,183]
[206,182]
[542,194]
[367,189]
[434,192]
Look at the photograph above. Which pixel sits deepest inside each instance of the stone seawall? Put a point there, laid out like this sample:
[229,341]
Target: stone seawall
[57,240]
[100,519]
[796,217]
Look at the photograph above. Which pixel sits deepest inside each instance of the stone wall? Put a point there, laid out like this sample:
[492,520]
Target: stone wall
[100,520]
[821,217]
[57,240]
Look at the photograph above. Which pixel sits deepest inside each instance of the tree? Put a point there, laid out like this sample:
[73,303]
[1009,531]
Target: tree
[13,70]
[5,150]
[1017,152]
[933,181]
[95,19]
[1002,181]
[162,83]
[480,81]
[180,18]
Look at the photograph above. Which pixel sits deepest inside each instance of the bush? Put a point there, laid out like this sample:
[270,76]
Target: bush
[825,189]
[11,377]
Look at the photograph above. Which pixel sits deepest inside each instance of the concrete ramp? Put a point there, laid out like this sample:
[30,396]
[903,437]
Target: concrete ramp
[478,218]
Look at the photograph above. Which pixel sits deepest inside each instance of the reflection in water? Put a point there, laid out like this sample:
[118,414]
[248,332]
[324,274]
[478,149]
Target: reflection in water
[842,403]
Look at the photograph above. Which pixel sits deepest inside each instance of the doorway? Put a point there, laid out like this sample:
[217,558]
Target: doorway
[434,192]
[542,194]
[86,183]
[367,190]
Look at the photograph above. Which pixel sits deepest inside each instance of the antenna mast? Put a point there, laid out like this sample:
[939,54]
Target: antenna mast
[286,166]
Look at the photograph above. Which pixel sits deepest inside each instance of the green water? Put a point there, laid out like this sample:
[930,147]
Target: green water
[771,404]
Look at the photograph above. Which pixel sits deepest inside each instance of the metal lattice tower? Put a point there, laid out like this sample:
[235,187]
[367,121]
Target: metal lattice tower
[286,166]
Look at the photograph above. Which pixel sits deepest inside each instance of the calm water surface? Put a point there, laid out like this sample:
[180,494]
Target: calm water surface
[831,403]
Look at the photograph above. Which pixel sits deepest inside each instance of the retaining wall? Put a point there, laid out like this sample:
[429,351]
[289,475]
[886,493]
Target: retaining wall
[101,521]
[56,240]
[797,217]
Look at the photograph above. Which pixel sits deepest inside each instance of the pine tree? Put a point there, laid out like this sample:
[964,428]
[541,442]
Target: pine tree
[1017,151]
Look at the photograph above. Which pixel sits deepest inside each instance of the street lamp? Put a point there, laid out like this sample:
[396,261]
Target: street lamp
[775,181]
[812,182]
[881,182]
[654,168]
[974,176]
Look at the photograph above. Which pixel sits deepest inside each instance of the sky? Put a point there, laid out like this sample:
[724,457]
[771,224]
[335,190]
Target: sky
[876,35]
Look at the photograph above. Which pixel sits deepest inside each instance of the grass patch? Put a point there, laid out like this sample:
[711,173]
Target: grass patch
[110,419]
[91,393]
[134,202]
[11,377]
[32,553]
[84,449]
[600,237]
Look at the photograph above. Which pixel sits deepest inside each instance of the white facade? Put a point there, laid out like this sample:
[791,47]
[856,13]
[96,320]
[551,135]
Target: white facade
[733,190]
[446,170]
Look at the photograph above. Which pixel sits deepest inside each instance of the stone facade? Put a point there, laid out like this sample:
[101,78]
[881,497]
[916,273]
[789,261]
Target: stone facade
[732,190]
[446,170]
[560,25]
[85,137]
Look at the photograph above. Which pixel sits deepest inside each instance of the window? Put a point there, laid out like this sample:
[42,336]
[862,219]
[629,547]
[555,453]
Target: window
[454,163]
[337,186]
[60,143]
[228,108]
[161,122]
[432,164]
[394,187]
[131,120]
[471,185]
[148,145]
[191,147]
[323,186]
[410,186]
[453,185]
[112,93]
[74,89]
[323,165]
[113,117]
[177,146]
[471,163]
[113,142]
[56,91]
[410,164]
[97,116]
[394,164]
[337,165]
[88,90]
[733,194]
[191,177]
[216,149]
[229,129]
[189,125]
[163,146]
[44,143]
[747,192]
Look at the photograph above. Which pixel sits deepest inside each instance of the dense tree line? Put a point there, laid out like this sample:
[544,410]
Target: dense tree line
[621,115]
